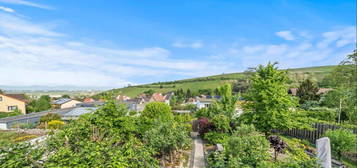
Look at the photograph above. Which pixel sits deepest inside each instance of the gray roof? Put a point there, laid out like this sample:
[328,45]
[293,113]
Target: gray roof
[34,115]
[61,101]
[80,111]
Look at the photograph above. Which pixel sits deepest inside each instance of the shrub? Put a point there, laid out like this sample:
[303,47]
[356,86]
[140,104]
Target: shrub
[158,110]
[55,124]
[221,123]
[342,140]
[322,113]
[49,117]
[216,137]
[204,125]
[278,144]
[249,149]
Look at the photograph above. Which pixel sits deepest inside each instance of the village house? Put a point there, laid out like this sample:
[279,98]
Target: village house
[11,102]
[122,98]
[136,104]
[203,102]
[65,103]
[88,100]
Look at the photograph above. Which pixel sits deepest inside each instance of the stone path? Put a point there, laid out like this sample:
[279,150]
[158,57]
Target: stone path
[198,157]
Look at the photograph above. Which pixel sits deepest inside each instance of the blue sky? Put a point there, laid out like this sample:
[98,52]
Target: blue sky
[113,43]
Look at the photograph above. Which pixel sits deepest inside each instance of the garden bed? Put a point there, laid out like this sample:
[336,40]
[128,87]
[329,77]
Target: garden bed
[12,137]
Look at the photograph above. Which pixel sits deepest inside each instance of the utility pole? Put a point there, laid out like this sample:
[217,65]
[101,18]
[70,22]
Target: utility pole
[339,111]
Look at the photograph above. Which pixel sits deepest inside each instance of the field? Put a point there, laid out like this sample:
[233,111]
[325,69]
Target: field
[211,82]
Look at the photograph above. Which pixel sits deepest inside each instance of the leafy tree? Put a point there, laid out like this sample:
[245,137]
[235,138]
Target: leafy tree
[342,140]
[307,91]
[167,138]
[158,110]
[20,155]
[1,92]
[65,96]
[188,94]
[41,104]
[149,92]
[344,81]
[268,104]
[241,86]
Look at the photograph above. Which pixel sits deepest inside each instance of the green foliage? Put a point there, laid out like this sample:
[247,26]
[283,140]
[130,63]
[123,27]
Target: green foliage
[49,117]
[41,104]
[158,110]
[149,92]
[167,137]
[216,137]
[342,140]
[322,113]
[307,91]
[221,123]
[343,80]
[9,114]
[245,148]
[20,155]
[65,96]
[269,105]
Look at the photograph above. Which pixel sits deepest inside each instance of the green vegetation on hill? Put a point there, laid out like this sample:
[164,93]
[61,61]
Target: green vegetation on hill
[212,82]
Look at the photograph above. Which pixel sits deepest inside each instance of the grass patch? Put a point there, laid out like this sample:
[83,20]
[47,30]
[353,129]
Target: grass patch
[12,137]
[8,114]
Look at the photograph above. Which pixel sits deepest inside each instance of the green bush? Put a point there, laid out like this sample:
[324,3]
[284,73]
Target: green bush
[322,113]
[221,123]
[342,140]
[49,117]
[245,148]
[158,110]
[216,137]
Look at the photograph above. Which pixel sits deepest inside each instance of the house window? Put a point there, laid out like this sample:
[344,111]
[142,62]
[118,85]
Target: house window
[11,108]
[0,98]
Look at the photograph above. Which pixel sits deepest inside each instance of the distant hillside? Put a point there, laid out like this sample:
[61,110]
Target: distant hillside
[212,82]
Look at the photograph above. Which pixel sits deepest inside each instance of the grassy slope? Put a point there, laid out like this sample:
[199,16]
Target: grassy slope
[316,73]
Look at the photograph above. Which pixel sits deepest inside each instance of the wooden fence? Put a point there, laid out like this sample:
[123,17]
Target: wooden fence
[312,135]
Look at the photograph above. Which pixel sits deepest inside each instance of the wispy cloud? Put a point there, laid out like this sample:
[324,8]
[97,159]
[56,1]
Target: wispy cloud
[33,54]
[194,45]
[325,49]
[7,9]
[287,35]
[27,3]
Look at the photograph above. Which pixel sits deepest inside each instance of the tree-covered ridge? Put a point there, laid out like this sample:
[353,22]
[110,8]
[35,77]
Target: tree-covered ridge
[317,74]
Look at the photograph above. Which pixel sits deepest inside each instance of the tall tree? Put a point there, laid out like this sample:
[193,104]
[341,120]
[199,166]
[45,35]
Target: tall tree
[307,91]
[268,104]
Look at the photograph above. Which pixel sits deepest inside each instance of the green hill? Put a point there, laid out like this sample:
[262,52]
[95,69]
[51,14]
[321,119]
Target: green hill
[212,82]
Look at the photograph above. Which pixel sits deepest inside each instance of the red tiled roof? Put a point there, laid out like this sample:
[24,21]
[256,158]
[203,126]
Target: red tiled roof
[157,97]
[20,97]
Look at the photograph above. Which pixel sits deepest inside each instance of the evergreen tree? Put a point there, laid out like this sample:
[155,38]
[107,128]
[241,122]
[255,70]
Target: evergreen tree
[307,91]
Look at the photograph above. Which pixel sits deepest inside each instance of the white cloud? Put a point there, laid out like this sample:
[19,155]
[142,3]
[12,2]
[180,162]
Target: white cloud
[287,35]
[327,49]
[7,9]
[27,3]
[34,54]
[194,45]
[339,37]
